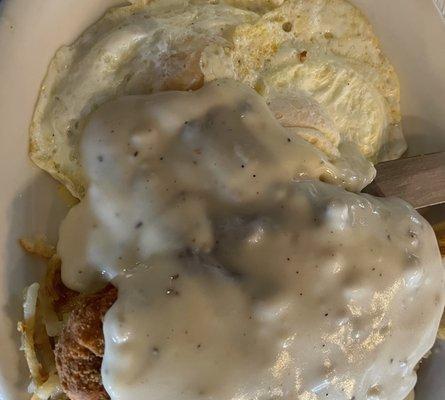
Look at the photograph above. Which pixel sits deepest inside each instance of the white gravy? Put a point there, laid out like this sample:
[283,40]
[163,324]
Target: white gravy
[242,276]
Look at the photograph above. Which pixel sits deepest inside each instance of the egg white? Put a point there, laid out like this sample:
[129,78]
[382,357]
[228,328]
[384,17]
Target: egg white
[316,62]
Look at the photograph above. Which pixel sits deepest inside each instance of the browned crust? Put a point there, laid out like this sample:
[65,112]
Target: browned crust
[80,347]
[63,299]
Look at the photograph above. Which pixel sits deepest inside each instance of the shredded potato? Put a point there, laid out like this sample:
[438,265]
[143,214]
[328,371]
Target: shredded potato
[38,247]
[40,323]
[26,327]
[50,389]
[36,346]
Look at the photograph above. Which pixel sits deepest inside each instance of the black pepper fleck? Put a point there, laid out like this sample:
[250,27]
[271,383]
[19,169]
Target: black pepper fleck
[136,153]
[287,26]
[100,158]
[139,224]
[303,56]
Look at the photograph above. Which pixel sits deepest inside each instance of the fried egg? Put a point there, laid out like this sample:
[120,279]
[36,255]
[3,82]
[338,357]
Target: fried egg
[317,63]
[327,50]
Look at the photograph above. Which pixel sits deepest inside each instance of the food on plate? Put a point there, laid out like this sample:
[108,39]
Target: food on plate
[80,347]
[316,61]
[220,248]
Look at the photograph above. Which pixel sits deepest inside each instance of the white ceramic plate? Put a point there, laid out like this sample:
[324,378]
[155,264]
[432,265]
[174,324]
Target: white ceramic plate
[413,36]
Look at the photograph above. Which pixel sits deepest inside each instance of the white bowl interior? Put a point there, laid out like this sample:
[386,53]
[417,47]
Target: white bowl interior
[413,36]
